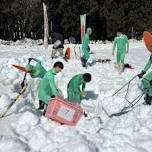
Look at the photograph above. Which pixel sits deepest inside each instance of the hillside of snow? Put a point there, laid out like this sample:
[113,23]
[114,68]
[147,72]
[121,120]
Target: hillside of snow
[24,129]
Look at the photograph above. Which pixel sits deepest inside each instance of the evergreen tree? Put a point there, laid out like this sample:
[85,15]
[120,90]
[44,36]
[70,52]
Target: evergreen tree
[24,18]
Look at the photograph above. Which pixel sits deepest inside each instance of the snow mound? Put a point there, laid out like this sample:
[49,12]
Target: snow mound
[78,147]
[37,139]
[5,42]
[9,144]
[25,41]
[25,123]
[5,100]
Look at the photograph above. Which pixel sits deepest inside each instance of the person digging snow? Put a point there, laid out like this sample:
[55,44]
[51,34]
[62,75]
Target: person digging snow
[37,71]
[122,44]
[85,47]
[147,81]
[47,86]
[76,86]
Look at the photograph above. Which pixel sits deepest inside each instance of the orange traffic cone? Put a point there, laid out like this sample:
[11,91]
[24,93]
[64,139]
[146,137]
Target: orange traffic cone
[67,53]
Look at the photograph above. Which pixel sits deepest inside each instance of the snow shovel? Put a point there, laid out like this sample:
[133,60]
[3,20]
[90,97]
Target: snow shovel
[23,82]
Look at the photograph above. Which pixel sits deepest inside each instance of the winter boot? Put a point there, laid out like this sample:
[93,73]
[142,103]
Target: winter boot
[121,68]
[148,100]
[41,105]
[117,66]
[84,62]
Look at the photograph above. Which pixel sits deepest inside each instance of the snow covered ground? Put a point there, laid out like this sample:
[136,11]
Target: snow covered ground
[24,129]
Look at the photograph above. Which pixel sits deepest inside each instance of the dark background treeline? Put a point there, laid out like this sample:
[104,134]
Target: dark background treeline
[24,18]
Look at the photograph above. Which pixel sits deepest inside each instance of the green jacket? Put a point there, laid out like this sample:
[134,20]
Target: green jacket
[37,70]
[147,78]
[122,43]
[76,82]
[148,65]
[85,44]
[75,87]
[47,87]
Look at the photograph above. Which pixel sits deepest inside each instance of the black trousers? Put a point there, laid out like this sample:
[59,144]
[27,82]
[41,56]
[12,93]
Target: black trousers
[148,99]
[84,62]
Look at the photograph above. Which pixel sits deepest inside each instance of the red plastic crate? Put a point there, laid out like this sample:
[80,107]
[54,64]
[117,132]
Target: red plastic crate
[63,111]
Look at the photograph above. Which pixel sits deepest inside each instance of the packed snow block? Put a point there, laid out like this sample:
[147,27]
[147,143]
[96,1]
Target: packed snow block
[63,112]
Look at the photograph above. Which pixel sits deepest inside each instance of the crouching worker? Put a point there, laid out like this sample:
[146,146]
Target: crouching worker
[47,86]
[76,86]
[36,71]
[147,82]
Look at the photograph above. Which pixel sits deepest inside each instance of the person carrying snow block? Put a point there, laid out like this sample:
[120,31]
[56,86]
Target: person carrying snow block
[76,86]
[36,71]
[122,44]
[85,47]
[58,42]
[147,81]
[47,86]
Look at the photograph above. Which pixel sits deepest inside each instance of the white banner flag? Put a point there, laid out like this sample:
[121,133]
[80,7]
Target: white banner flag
[46,28]
[83,25]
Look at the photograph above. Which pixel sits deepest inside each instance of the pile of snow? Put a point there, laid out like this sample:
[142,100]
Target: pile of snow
[134,40]
[27,41]
[97,42]
[5,100]
[25,129]
[31,42]
[25,123]
[3,42]
[10,144]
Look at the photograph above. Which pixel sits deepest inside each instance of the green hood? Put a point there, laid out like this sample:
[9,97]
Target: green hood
[89,30]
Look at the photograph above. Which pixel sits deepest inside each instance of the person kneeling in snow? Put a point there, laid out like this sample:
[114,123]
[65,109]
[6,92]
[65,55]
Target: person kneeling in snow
[147,82]
[36,71]
[47,86]
[85,47]
[75,94]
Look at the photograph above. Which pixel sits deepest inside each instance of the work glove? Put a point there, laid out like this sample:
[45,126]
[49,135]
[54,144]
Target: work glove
[58,97]
[85,114]
[61,97]
[29,60]
[83,94]
[140,75]
[53,96]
